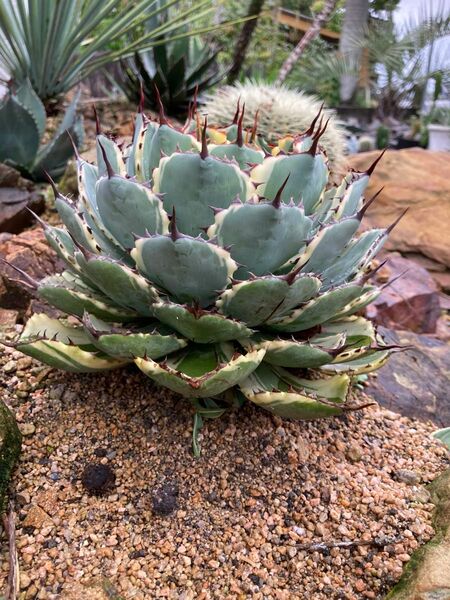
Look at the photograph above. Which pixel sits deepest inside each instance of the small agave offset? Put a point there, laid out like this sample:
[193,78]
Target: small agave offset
[223,267]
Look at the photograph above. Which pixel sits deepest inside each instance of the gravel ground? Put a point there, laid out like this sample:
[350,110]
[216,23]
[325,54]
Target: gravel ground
[239,522]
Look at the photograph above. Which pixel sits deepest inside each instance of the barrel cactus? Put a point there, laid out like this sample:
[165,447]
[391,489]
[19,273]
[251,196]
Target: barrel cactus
[224,268]
[280,110]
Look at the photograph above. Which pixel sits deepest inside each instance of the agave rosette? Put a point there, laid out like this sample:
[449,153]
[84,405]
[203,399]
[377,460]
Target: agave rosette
[221,267]
[23,124]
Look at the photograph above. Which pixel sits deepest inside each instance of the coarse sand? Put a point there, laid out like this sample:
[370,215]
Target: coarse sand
[245,520]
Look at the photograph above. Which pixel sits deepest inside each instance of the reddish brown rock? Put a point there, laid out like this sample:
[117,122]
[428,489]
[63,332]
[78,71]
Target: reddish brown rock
[8,318]
[442,279]
[37,518]
[416,179]
[99,588]
[30,252]
[443,328]
[439,272]
[410,302]
[11,178]
[14,205]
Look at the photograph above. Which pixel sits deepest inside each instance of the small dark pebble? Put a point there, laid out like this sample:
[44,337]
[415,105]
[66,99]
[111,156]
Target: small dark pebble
[390,549]
[136,554]
[256,579]
[212,496]
[325,495]
[28,530]
[164,499]
[54,476]
[147,421]
[50,544]
[98,479]
[387,584]
[100,452]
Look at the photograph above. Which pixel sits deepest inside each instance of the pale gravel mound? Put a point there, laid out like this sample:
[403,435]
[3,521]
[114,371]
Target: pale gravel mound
[262,488]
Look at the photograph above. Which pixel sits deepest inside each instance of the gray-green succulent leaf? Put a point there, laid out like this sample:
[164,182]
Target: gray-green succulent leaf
[22,127]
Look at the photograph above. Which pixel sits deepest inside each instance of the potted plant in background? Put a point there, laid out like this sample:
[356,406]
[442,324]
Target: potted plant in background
[439,129]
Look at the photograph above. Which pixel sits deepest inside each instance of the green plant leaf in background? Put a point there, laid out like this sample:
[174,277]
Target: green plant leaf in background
[54,43]
[22,125]
[180,70]
[443,435]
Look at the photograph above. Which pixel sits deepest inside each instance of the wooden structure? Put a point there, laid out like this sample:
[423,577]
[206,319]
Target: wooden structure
[302,24]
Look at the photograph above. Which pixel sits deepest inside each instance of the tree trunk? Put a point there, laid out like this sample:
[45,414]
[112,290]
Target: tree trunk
[311,34]
[355,20]
[243,42]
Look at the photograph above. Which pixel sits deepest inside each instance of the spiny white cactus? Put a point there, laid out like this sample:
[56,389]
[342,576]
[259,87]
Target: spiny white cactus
[281,111]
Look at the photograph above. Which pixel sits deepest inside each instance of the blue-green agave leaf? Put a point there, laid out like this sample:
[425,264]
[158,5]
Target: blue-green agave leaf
[327,244]
[443,435]
[262,237]
[307,178]
[189,270]
[31,101]
[150,342]
[158,141]
[257,301]
[108,147]
[193,185]
[56,344]
[200,326]
[245,156]
[291,353]
[283,394]
[128,208]
[318,310]
[372,360]
[74,297]
[120,283]
[202,371]
[18,149]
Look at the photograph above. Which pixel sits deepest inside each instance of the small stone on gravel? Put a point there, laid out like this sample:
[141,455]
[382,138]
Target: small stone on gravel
[409,477]
[10,366]
[98,479]
[37,518]
[27,428]
[164,499]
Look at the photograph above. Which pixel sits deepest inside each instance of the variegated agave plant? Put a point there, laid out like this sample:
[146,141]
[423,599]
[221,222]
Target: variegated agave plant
[222,267]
